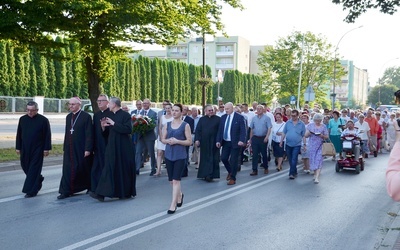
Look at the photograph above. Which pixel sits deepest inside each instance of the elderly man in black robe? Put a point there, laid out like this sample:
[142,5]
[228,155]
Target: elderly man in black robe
[205,138]
[118,178]
[33,143]
[100,140]
[78,145]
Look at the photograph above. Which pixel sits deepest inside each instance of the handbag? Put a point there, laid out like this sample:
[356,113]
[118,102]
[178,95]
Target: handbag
[328,149]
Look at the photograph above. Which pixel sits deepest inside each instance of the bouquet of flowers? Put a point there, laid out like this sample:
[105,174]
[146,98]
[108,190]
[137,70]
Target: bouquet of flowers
[142,124]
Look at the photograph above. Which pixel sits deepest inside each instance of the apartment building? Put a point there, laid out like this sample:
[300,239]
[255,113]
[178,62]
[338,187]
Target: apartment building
[353,89]
[222,53]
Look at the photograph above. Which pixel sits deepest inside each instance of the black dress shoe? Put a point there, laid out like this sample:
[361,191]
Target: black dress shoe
[152,173]
[137,172]
[62,196]
[30,195]
[208,179]
[96,196]
[180,204]
[171,211]
[41,181]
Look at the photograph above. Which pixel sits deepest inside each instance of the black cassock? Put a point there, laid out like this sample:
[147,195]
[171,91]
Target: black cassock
[99,147]
[206,133]
[33,137]
[118,178]
[78,139]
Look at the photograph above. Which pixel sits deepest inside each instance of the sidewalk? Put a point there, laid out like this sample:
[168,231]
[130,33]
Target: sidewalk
[16,116]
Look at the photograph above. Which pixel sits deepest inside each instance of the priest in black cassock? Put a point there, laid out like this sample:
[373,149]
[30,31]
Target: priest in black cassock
[32,144]
[205,138]
[118,178]
[100,140]
[78,145]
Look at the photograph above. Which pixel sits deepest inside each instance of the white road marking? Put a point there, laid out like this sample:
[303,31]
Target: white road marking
[240,189]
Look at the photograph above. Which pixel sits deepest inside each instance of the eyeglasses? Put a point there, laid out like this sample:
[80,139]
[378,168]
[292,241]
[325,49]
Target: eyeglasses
[72,104]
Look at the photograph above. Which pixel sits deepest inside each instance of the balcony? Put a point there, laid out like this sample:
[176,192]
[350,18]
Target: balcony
[224,53]
[224,66]
[174,54]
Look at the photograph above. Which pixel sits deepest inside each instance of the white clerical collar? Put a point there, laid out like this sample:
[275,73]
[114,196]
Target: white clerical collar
[77,112]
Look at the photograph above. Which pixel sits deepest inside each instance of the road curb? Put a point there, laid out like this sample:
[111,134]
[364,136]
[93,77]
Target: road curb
[392,237]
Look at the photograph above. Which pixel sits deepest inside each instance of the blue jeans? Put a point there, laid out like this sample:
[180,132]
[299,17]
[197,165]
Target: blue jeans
[292,155]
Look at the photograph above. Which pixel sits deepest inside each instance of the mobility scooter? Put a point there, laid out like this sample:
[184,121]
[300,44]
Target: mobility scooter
[352,154]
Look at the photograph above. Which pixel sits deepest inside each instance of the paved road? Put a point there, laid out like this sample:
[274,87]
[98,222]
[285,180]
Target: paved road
[344,211]
[9,123]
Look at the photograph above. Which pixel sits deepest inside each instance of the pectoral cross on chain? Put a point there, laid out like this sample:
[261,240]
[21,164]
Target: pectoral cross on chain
[72,131]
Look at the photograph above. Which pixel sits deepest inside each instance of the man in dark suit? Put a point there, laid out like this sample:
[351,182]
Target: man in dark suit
[135,136]
[231,136]
[189,120]
[147,140]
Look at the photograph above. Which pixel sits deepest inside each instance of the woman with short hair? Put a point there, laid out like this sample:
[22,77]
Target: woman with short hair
[317,133]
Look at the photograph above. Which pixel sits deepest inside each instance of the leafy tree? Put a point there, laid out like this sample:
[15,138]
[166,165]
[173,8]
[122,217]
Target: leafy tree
[173,81]
[21,73]
[60,70]
[4,78]
[391,76]
[382,94]
[51,74]
[166,84]
[155,80]
[280,65]
[356,8]
[96,25]
[32,89]
[40,64]
[11,68]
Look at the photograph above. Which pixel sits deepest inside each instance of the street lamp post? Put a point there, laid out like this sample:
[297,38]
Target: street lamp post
[334,67]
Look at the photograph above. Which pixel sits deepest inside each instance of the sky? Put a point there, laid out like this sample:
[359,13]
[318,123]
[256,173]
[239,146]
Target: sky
[375,46]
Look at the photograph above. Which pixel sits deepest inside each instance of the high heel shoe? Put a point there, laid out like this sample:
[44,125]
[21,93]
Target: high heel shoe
[171,211]
[180,204]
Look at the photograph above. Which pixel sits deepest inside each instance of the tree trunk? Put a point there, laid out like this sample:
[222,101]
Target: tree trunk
[93,81]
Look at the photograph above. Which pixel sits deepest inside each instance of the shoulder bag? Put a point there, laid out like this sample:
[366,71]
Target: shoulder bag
[328,149]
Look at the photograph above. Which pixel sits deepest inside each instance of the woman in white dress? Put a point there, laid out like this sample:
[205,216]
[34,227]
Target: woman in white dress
[161,146]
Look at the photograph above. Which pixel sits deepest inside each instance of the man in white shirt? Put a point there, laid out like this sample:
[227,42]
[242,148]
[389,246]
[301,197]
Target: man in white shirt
[221,110]
[363,129]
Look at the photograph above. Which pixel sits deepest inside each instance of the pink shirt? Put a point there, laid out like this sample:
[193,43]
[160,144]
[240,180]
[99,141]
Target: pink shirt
[393,173]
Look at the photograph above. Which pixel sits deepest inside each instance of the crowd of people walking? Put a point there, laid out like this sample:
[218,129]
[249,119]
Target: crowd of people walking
[104,157]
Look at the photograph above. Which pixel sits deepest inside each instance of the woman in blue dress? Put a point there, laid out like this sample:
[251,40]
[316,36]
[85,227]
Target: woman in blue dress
[335,127]
[177,136]
[317,133]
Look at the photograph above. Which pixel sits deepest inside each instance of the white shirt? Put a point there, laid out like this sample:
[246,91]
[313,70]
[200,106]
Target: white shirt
[362,129]
[230,117]
[220,113]
[249,115]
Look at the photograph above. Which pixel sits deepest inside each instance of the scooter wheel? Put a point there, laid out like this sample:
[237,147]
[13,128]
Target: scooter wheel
[337,168]
[358,169]
[375,153]
[361,160]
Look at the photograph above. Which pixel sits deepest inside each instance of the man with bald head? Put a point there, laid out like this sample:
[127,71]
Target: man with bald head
[231,136]
[78,145]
